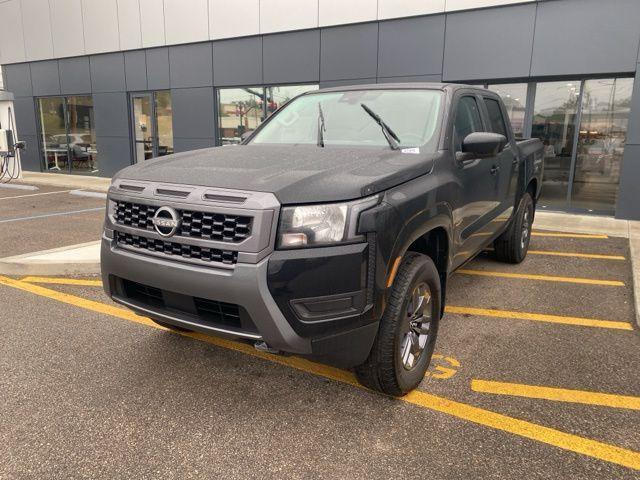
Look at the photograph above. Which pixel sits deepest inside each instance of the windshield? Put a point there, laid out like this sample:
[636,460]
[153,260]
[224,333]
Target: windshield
[411,114]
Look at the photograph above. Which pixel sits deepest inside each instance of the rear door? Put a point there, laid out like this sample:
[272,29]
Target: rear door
[506,162]
[477,179]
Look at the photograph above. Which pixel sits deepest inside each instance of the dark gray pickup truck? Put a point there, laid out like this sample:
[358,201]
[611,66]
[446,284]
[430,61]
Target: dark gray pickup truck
[332,230]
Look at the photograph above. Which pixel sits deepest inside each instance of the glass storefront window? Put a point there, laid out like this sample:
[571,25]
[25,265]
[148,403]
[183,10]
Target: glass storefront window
[603,128]
[514,96]
[241,110]
[67,134]
[554,122]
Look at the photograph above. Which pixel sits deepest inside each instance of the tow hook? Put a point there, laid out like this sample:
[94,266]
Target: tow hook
[263,347]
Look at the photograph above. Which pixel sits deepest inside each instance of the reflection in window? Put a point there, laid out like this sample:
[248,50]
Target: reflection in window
[601,138]
[554,122]
[164,120]
[241,110]
[514,97]
[67,134]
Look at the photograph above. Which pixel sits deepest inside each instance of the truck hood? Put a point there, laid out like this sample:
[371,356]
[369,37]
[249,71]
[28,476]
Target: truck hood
[294,174]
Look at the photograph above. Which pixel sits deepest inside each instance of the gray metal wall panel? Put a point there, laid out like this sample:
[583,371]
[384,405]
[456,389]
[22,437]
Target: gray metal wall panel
[135,70]
[349,52]
[74,75]
[411,78]
[30,156]
[628,206]
[114,153]
[193,112]
[107,72]
[25,113]
[45,78]
[237,62]
[186,144]
[191,65]
[292,57]
[111,114]
[17,79]
[490,43]
[411,46]
[345,83]
[158,68]
[574,37]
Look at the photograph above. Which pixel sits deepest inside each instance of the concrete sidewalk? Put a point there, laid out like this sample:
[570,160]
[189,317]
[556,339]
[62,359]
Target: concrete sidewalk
[84,182]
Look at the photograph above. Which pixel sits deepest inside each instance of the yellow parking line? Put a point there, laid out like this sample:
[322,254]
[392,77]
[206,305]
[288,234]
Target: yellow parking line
[556,394]
[567,441]
[63,281]
[539,317]
[545,278]
[577,255]
[569,235]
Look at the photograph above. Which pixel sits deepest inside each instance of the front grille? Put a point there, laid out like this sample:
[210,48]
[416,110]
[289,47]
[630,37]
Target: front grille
[218,312]
[143,293]
[177,249]
[205,311]
[209,226]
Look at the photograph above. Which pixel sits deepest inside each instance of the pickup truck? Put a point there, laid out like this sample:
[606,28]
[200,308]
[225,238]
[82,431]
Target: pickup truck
[331,231]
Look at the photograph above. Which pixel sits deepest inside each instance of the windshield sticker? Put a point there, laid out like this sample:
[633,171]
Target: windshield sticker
[414,150]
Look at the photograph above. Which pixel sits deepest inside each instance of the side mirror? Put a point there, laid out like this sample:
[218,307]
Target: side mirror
[246,135]
[20,145]
[483,144]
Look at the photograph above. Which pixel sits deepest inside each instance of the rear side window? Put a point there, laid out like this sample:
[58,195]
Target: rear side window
[496,120]
[467,120]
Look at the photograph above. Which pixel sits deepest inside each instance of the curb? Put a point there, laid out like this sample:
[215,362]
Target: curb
[37,263]
[634,248]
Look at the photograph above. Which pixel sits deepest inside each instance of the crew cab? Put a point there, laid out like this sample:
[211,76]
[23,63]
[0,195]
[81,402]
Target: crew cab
[332,230]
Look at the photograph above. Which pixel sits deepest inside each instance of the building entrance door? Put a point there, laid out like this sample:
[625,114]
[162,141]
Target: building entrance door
[152,124]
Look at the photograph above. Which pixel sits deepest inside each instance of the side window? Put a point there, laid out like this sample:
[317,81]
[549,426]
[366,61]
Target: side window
[467,120]
[496,120]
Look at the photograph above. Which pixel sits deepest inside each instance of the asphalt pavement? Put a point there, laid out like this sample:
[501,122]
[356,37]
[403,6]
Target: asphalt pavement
[535,376]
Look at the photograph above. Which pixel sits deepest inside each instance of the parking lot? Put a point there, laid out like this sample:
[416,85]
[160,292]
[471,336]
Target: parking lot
[536,375]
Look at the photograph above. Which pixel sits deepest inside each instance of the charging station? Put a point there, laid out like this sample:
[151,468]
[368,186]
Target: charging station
[10,166]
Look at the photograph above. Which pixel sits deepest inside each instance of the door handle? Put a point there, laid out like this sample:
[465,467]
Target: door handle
[495,169]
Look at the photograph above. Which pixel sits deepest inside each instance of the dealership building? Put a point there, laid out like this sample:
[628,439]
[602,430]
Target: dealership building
[96,85]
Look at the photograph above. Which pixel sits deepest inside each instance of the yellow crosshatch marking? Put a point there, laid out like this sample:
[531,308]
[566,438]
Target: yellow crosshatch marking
[480,416]
[568,235]
[556,394]
[442,367]
[544,278]
[539,317]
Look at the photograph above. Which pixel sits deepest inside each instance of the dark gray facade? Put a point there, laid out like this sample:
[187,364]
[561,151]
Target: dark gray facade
[546,40]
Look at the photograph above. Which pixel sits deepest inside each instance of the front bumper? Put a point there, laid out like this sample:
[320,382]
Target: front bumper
[263,291]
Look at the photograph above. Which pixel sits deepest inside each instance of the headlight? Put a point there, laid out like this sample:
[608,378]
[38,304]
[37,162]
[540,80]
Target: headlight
[316,225]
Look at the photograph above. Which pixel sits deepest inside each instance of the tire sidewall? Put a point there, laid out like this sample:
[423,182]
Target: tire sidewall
[425,272]
[526,203]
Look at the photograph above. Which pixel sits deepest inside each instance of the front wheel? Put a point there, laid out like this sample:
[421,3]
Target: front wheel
[402,350]
[513,244]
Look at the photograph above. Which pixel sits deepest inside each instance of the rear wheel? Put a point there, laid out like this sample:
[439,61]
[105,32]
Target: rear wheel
[513,244]
[407,334]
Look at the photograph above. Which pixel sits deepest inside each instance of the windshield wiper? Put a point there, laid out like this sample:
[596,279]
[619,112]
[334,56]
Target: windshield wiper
[389,134]
[321,126]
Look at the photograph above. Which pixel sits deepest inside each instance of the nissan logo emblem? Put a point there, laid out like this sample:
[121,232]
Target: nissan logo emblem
[166,221]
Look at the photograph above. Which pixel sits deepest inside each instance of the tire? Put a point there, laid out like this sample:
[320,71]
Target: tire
[513,244]
[387,370]
[169,326]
